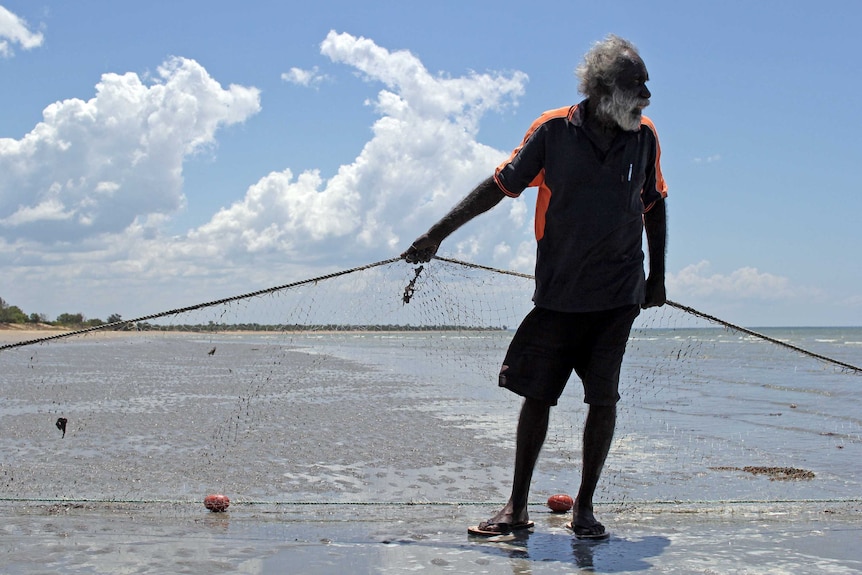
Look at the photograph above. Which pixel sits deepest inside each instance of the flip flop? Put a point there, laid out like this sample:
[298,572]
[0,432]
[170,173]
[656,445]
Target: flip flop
[583,532]
[492,529]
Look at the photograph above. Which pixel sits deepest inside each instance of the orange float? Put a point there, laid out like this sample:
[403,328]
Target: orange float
[216,502]
[560,503]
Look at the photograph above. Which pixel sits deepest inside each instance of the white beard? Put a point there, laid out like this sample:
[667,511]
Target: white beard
[623,109]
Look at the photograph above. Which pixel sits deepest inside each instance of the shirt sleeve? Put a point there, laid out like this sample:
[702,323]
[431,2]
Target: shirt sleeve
[655,187]
[524,168]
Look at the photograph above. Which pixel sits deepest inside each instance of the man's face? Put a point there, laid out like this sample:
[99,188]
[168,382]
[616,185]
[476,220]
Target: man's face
[629,95]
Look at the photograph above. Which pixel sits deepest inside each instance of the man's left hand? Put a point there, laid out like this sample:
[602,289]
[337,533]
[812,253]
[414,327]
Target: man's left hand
[655,293]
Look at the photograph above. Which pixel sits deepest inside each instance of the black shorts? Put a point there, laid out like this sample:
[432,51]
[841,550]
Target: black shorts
[549,345]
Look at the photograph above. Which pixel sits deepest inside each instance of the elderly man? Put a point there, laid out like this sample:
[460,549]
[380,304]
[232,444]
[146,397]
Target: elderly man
[596,166]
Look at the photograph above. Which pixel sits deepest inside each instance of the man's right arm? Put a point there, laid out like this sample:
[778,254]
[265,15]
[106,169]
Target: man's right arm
[483,197]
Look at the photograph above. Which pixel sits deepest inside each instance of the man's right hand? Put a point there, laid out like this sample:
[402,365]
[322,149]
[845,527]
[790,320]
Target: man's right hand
[422,250]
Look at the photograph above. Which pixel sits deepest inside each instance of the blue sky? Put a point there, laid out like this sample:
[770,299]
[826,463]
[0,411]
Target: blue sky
[160,154]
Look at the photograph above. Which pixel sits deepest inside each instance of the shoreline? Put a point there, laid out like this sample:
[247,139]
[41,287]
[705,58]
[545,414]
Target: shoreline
[39,327]
[31,334]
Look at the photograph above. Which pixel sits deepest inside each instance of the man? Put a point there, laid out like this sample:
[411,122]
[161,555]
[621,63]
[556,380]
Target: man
[600,185]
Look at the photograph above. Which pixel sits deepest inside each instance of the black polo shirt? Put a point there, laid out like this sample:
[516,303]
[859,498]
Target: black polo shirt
[589,209]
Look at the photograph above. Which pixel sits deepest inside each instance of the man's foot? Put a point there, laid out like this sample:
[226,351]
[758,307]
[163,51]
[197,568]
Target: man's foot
[502,523]
[585,525]
[491,528]
[596,531]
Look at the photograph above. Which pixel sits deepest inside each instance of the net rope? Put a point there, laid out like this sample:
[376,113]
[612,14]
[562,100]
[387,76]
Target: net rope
[370,386]
[407,295]
[694,312]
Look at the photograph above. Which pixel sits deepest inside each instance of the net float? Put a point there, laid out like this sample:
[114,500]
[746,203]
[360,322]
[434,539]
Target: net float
[216,502]
[560,503]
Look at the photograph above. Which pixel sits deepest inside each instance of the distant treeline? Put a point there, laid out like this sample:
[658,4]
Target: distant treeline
[14,314]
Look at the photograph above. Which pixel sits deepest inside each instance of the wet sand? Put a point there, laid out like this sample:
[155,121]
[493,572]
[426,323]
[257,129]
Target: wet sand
[340,431]
[265,539]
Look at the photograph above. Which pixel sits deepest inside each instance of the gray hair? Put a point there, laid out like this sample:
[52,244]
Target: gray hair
[602,64]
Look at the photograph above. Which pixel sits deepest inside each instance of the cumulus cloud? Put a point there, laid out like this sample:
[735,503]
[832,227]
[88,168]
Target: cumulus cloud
[98,166]
[697,280]
[14,30]
[307,78]
[105,175]
[284,214]
[423,156]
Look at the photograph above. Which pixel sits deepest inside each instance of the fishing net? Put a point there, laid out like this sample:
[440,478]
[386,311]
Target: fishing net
[378,385]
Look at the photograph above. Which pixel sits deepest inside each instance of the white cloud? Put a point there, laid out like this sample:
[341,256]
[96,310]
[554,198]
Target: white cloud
[280,214]
[463,99]
[116,158]
[697,280]
[50,209]
[307,78]
[15,30]
[422,158]
[112,169]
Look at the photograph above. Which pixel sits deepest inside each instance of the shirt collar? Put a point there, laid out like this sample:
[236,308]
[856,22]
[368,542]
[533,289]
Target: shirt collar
[578,113]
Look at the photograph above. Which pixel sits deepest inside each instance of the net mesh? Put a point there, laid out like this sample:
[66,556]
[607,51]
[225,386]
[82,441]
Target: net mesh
[379,386]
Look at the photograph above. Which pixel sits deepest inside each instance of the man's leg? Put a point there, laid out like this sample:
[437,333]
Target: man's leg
[598,434]
[600,374]
[532,429]
[537,368]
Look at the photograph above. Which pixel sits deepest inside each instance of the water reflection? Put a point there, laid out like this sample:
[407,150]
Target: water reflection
[614,555]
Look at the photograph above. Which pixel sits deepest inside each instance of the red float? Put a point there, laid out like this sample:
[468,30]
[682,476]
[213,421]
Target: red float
[560,503]
[216,502]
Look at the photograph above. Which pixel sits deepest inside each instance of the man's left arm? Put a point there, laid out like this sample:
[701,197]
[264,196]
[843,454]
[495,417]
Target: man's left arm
[655,224]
